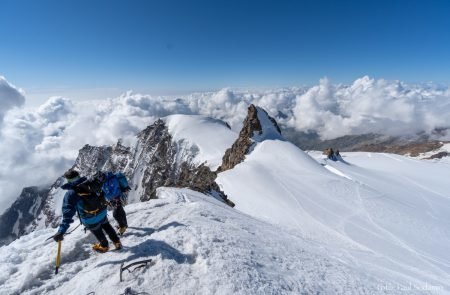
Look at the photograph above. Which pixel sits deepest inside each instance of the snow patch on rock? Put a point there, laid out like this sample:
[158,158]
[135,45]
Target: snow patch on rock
[208,138]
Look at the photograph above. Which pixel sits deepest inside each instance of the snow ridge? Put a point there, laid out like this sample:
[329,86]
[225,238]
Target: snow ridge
[198,246]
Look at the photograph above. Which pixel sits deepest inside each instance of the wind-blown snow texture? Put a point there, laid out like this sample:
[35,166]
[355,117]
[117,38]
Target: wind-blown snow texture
[198,246]
[387,213]
[38,144]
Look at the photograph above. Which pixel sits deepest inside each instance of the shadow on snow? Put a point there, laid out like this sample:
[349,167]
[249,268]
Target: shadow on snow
[154,247]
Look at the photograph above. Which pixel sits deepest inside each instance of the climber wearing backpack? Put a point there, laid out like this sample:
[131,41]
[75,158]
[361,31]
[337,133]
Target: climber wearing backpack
[114,187]
[84,198]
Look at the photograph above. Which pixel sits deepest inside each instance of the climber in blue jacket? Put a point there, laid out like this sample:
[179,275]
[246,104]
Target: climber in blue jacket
[82,198]
[114,187]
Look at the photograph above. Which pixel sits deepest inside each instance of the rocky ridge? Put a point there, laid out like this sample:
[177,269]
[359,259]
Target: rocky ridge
[156,160]
[22,213]
[252,131]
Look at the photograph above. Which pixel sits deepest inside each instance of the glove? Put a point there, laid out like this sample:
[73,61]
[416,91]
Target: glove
[58,237]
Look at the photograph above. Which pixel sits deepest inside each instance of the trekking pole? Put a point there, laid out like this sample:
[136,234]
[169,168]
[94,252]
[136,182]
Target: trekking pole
[58,257]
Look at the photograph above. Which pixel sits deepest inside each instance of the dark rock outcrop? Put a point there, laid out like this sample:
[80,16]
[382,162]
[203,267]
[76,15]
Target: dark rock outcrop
[22,213]
[199,178]
[241,146]
[439,155]
[252,128]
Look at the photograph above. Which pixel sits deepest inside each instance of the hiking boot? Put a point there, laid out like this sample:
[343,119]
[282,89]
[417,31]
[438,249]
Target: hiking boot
[122,230]
[99,248]
[118,245]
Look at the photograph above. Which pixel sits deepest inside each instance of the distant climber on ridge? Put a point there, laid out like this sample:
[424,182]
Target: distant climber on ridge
[337,154]
[114,186]
[84,198]
[332,155]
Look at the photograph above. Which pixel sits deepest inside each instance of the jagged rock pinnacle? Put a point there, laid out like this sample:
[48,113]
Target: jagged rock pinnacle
[258,126]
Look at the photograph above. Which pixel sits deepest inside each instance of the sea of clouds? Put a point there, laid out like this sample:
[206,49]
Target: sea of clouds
[38,145]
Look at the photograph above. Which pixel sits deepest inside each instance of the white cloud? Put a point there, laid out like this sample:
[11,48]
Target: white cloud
[368,105]
[10,97]
[38,145]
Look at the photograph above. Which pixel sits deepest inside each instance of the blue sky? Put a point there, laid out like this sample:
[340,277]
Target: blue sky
[54,47]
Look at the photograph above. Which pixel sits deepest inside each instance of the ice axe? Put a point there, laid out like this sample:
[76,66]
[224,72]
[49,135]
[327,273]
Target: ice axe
[139,264]
[58,257]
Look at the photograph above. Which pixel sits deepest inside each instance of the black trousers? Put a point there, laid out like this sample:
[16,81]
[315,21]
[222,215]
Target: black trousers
[100,235]
[119,213]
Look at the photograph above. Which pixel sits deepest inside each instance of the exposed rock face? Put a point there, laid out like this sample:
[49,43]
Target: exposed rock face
[252,130]
[439,155]
[119,159]
[199,178]
[91,158]
[241,146]
[155,161]
[23,212]
[159,161]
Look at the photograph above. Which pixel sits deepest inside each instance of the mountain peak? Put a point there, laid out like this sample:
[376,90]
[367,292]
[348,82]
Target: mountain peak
[268,127]
[258,126]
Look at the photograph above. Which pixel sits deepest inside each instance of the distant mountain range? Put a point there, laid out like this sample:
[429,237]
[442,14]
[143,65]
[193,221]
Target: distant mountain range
[408,145]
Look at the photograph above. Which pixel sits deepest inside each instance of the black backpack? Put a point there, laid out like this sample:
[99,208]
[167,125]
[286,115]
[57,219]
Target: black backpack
[93,200]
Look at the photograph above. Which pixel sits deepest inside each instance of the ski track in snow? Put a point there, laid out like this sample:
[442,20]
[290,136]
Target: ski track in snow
[361,210]
[434,264]
[386,233]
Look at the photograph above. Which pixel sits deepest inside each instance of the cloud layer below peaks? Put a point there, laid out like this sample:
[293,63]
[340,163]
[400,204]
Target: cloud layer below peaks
[38,145]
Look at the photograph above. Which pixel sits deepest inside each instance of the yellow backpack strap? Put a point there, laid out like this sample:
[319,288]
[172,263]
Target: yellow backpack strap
[94,212]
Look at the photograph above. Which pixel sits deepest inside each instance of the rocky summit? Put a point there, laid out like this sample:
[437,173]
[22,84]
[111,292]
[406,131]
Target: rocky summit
[257,126]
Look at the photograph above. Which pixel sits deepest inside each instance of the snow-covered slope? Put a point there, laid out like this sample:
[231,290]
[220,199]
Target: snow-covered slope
[389,214]
[198,246]
[207,138]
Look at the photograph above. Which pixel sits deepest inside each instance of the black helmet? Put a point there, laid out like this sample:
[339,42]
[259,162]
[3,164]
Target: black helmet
[100,176]
[71,175]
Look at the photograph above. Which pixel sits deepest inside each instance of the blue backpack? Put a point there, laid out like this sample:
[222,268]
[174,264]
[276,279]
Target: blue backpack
[114,185]
[122,181]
